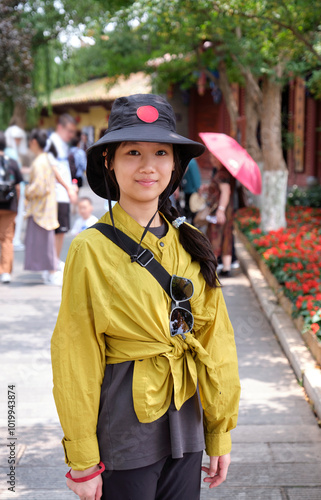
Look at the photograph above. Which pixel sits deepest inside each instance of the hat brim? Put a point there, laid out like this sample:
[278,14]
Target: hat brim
[139,133]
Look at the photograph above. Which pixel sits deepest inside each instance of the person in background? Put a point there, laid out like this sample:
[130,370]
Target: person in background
[41,213]
[84,141]
[16,143]
[58,145]
[190,184]
[77,156]
[220,192]
[86,219]
[9,171]
[17,148]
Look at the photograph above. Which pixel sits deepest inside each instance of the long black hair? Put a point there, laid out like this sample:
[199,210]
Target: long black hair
[192,240]
[41,137]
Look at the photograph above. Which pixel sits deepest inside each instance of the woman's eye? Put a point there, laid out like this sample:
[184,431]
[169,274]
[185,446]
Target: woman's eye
[133,152]
[161,152]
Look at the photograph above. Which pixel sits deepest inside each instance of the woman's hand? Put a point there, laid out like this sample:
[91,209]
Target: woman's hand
[88,490]
[217,471]
[220,216]
[73,193]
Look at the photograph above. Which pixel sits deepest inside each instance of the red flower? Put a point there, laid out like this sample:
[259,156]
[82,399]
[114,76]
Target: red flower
[315,327]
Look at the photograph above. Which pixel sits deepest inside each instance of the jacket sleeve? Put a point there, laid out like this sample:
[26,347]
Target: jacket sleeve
[218,340]
[78,359]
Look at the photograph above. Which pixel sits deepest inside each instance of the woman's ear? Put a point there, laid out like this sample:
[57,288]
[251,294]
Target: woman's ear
[106,163]
[108,167]
[105,156]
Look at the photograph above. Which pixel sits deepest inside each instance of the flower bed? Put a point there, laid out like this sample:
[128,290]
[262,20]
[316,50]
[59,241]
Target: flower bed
[293,255]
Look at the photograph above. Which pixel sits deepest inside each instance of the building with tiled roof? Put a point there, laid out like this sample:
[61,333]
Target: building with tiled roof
[90,102]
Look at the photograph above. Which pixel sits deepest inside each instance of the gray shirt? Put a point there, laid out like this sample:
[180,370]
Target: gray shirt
[124,442]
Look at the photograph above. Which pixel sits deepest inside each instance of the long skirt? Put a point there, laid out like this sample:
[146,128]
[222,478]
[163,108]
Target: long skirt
[40,250]
[221,236]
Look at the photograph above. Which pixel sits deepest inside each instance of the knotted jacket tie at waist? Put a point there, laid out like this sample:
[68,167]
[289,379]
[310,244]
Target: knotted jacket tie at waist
[167,359]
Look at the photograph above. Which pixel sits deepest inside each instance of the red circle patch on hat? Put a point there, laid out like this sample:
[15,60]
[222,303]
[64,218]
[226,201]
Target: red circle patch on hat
[147,114]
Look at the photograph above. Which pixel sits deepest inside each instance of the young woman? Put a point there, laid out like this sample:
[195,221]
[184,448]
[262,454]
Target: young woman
[142,384]
[41,213]
[220,192]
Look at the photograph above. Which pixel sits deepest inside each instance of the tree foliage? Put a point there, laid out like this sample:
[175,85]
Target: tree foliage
[115,53]
[15,52]
[252,34]
[30,37]
[247,39]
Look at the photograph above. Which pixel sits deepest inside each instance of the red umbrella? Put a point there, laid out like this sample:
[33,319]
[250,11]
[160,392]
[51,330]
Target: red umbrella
[235,158]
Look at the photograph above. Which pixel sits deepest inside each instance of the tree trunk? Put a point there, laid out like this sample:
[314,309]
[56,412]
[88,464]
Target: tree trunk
[252,113]
[253,117]
[229,98]
[19,116]
[275,174]
[227,91]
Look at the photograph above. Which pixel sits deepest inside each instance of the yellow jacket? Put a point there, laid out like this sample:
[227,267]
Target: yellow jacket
[40,194]
[113,311]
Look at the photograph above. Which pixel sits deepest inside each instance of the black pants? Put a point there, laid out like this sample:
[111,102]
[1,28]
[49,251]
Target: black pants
[167,479]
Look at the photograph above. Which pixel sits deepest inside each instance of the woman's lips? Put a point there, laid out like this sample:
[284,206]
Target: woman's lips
[146,182]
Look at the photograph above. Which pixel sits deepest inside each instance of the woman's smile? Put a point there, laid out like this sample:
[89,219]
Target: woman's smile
[146,182]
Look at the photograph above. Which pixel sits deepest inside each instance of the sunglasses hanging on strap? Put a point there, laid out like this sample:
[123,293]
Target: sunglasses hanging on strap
[180,290]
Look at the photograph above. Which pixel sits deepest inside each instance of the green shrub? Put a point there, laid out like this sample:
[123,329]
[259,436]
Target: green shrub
[305,197]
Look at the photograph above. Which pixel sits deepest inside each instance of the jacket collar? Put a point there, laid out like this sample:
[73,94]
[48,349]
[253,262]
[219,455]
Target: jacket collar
[128,225]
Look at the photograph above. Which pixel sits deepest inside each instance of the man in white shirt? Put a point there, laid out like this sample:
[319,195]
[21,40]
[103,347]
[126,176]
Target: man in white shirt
[59,147]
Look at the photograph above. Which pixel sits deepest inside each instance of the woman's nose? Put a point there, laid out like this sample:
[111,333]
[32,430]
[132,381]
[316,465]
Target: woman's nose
[147,163]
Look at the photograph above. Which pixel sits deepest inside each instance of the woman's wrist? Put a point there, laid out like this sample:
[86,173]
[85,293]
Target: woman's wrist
[83,474]
[221,207]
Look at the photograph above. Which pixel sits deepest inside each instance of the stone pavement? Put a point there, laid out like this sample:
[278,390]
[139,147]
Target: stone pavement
[276,447]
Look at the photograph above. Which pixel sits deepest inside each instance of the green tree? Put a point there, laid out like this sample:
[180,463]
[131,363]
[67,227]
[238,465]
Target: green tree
[115,53]
[15,57]
[30,31]
[257,43]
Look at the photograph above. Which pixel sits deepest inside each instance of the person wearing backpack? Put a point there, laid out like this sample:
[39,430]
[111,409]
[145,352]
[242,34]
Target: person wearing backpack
[10,178]
[77,161]
[143,353]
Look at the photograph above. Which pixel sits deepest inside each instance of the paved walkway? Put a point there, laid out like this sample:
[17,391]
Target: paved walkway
[276,446]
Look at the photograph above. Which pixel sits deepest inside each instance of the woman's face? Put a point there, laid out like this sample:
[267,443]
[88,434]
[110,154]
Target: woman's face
[33,146]
[143,170]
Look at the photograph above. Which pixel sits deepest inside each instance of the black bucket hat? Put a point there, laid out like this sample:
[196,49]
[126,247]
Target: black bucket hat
[139,118]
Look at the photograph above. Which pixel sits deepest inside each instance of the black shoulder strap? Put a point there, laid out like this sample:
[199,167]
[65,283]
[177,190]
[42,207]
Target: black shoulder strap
[145,258]
[4,163]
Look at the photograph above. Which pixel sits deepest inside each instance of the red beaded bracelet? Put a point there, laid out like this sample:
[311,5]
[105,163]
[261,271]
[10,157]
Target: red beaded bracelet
[86,478]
